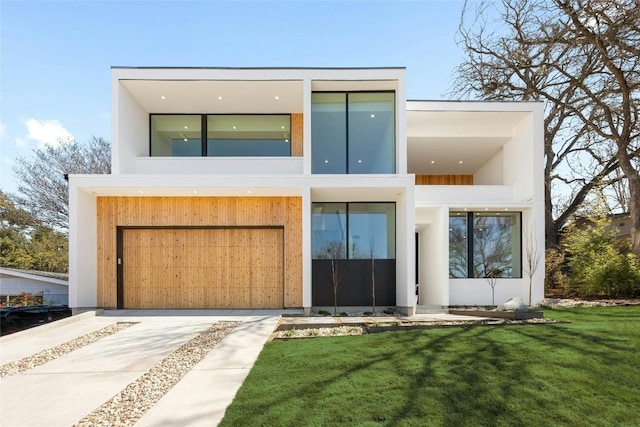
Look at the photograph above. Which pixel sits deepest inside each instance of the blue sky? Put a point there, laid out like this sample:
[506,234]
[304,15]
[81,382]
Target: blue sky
[56,55]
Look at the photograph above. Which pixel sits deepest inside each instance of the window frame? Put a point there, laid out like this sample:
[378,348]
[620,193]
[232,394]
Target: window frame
[346,112]
[347,225]
[204,130]
[470,243]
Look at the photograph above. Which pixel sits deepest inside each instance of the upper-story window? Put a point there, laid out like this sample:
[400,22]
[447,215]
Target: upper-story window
[195,135]
[353,132]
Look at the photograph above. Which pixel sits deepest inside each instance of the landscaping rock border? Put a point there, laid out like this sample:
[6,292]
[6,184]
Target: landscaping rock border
[130,404]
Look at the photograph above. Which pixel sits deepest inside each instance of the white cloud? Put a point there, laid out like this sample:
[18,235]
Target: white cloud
[47,131]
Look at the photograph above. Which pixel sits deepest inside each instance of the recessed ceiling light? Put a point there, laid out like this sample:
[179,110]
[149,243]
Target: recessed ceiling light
[464,209]
[359,161]
[277,97]
[248,191]
[433,161]
[282,127]
[140,191]
[286,140]
[506,209]
[326,161]
[220,98]
[195,191]
[234,127]
[486,209]
[162,97]
[373,115]
[186,127]
[460,162]
[186,140]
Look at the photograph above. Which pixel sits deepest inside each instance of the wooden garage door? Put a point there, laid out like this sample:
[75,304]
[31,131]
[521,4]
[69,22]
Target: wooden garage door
[203,268]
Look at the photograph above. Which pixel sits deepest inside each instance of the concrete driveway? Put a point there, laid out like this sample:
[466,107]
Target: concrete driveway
[62,391]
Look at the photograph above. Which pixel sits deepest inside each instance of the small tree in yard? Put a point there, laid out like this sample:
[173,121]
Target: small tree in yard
[492,279]
[334,253]
[533,256]
[372,255]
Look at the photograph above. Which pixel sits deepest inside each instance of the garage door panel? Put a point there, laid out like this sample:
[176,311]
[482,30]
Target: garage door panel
[203,268]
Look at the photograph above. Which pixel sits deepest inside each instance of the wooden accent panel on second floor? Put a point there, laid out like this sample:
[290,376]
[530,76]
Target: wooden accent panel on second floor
[296,135]
[444,179]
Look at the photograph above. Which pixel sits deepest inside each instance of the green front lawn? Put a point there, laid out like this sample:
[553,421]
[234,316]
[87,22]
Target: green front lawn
[578,374]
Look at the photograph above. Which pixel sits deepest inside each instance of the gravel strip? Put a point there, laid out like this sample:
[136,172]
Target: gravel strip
[320,332]
[47,355]
[128,406]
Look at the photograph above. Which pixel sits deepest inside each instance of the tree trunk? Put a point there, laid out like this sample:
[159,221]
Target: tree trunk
[633,178]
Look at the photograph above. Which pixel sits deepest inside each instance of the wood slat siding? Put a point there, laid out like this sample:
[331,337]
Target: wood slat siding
[198,211]
[296,135]
[444,179]
[203,268]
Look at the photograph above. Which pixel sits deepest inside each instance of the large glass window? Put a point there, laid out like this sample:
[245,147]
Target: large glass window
[354,230]
[372,230]
[353,132]
[180,135]
[329,225]
[329,132]
[491,239]
[248,135]
[371,133]
[176,135]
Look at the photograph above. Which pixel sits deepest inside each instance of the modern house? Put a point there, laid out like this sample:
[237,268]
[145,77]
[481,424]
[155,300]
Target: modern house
[268,188]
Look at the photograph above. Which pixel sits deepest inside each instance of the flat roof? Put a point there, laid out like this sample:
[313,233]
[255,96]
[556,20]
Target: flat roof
[255,68]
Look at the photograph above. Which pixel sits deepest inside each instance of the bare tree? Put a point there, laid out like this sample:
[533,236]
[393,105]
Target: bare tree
[372,255]
[533,257]
[43,189]
[335,252]
[492,280]
[581,57]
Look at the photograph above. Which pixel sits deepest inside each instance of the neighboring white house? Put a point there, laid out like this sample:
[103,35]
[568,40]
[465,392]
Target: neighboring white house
[54,287]
[264,188]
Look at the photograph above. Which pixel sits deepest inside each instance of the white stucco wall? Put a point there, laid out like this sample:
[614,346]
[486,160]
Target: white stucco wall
[433,257]
[491,172]
[83,247]
[129,129]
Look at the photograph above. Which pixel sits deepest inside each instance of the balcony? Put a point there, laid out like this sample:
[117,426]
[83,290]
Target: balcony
[219,165]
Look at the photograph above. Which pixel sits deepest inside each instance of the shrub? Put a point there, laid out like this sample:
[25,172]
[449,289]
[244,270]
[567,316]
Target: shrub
[555,269]
[600,264]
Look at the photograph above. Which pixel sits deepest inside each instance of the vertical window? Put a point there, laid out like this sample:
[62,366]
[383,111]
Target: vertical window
[353,132]
[458,245]
[371,133]
[492,240]
[176,135]
[372,230]
[329,225]
[496,245]
[329,132]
